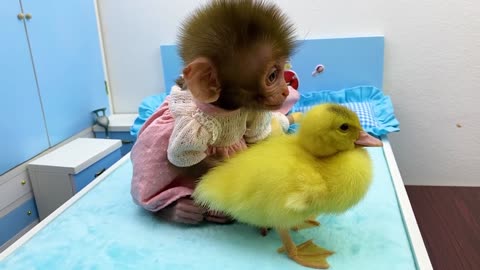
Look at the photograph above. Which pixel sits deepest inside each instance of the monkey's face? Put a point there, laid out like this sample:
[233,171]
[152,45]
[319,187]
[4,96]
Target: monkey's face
[235,53]
[273,88]
[254,79]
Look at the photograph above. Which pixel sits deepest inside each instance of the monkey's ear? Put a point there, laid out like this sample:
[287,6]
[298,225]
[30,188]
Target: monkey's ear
[201,79]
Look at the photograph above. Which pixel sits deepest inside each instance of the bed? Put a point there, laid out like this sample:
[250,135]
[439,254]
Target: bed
[101,228]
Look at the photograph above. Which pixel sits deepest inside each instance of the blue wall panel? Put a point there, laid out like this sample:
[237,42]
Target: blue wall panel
[348,62]
[171,63]
[67,56]
[22,129]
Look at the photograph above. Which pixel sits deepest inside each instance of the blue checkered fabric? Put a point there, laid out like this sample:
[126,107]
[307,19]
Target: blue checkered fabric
[374,109]
[365,113]
[362,109]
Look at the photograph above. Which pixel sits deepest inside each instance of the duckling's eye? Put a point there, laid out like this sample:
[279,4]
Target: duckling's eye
[344,127]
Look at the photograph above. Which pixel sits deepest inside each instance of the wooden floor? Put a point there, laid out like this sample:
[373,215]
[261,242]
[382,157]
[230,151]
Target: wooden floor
[449,220]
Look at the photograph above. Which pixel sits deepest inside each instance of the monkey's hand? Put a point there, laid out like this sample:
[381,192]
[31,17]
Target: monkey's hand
[183,211]
[218,217]
[186,211]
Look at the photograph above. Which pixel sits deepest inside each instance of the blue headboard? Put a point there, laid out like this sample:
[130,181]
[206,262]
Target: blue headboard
[348,62]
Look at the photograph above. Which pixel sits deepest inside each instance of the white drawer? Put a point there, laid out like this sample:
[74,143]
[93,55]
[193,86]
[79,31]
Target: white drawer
[14,188]
[58,175]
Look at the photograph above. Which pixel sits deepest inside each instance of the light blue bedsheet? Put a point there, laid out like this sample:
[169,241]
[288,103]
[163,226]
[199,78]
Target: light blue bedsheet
[105,230]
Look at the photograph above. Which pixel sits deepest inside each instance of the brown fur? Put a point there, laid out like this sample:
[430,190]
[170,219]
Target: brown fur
[242,39]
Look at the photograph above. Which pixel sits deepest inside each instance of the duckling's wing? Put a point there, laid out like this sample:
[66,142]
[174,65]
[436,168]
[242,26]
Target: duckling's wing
[297,202]
[272,183]
[307,196]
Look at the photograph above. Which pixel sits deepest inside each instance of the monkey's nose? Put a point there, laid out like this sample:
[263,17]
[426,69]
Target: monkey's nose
[285,92]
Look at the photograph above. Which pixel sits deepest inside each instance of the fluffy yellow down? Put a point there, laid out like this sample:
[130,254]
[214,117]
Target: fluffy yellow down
[286,179]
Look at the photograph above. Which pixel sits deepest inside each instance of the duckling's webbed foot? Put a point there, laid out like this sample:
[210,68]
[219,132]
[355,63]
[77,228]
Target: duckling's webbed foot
[307,254]
[309,223]
[310,255]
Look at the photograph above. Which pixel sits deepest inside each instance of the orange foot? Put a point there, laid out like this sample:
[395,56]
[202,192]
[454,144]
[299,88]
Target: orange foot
[309,223]
[310,255]
[307,254]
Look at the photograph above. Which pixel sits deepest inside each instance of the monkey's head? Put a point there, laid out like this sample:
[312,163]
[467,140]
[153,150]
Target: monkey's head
[234,54]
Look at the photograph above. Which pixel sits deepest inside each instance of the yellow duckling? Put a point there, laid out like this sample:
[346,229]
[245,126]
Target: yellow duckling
[284,180]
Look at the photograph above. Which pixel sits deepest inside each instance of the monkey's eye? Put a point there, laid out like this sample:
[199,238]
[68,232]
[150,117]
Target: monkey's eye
[344,127]
[272,77]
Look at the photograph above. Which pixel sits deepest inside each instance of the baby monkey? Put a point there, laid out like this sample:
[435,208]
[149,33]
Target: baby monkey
[234,54]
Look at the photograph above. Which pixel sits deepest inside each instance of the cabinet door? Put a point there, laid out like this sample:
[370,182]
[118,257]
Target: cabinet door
[66,50]
[22,128]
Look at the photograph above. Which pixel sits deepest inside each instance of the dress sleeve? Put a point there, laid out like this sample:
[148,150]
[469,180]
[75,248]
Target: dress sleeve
[259,127]
[283,120]
[188,143]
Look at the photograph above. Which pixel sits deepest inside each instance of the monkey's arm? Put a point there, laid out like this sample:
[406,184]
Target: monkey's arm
[188,145]
[259,126]
[197,170]
[283,120]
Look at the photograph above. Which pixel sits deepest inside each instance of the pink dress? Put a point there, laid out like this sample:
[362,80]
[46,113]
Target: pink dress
[183,132]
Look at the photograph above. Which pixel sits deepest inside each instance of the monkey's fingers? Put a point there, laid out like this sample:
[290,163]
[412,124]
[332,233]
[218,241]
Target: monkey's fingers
[187,217]
[187,205]
[218,217]
[174,215]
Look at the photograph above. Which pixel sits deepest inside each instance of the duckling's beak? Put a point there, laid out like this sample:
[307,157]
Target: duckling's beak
[366,139]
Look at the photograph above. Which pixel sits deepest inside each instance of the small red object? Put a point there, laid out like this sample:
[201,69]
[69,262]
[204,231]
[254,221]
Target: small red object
[291,79]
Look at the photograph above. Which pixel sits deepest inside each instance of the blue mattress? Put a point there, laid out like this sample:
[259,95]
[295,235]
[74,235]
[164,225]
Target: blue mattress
[105,230]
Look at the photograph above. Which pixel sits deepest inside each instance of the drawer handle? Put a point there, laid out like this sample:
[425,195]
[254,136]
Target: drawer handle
[23,182]
[127,141]
[29,213]
[100,172]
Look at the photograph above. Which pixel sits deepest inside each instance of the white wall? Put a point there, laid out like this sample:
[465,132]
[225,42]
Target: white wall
[432,68]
